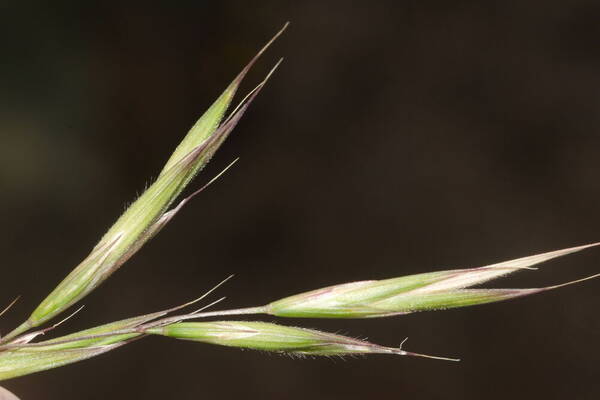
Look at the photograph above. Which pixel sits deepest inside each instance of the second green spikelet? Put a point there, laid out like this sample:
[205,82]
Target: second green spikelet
[150,212]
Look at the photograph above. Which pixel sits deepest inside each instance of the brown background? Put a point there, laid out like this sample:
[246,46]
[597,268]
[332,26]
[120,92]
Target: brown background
[397,137]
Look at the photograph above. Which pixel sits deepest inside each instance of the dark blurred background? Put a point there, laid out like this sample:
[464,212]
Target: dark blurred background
[397,137]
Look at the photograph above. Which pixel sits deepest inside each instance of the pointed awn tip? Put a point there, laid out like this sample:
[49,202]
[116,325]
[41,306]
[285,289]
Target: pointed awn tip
[208,306]
[189,303]
[243,73]
[408,353]
[587,278]
[56,325]
[12,303]
[250,96]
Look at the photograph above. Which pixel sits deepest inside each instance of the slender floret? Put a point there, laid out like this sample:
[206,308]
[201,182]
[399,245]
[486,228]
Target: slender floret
[429,291]
[149,213]
[27,361]
[276,338]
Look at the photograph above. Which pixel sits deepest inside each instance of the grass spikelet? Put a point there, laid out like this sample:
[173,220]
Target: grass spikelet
[276,338]
[149,213]
[14,363]
[429,291]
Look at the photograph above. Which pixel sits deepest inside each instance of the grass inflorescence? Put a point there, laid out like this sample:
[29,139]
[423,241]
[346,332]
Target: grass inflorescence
[21,354]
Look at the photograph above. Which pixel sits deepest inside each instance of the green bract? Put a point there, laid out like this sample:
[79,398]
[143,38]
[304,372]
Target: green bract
[149,213]
[276,338]
[30,358]
[23,362]
[429,291]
